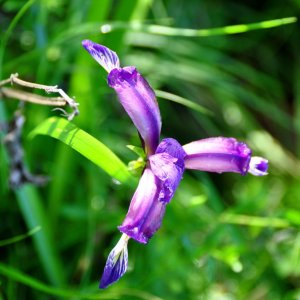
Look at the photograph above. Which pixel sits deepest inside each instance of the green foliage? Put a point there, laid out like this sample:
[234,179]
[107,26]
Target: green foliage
[86,145]
[223,236]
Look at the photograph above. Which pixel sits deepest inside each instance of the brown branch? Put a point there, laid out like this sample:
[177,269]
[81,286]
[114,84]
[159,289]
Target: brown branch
[32,98]
[29,97]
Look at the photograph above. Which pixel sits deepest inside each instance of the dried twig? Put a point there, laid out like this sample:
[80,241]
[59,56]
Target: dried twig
[32,98]
[41,100]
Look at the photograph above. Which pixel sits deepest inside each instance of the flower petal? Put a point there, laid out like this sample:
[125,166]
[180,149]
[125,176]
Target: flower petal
[139,101]
[145,211]
[218,155]
[116,264]
[258,166]
[107,58]
[164,167]
[173,148]
[168,165]
[156,188]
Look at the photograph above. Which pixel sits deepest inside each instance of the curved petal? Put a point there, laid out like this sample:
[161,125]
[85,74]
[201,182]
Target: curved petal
[218,155]
[145,211]
[116,263]
[167,164]
[107,58]
[156,188]
[139,101]
[173,148]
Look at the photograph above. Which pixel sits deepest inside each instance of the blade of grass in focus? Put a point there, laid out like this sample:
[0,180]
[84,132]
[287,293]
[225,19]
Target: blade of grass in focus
[86,145]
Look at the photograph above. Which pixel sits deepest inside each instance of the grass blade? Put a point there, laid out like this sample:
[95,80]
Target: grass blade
[86,145]
[187,32]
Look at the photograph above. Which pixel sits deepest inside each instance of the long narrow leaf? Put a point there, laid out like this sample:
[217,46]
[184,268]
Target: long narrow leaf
[172,31]
[86,145]
[138,26]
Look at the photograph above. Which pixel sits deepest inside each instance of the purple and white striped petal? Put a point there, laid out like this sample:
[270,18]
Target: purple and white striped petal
[134,92]
[145,211]
[116,264]
[139,101]
[218,155]
[107,58]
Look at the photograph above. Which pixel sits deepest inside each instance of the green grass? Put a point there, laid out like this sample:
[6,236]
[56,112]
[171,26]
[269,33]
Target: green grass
[225,72]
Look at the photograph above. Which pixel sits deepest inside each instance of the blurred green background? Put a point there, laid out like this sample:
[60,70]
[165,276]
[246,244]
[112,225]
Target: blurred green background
[223,236]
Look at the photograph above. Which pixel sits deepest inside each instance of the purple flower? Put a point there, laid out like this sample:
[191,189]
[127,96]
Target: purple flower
[134,92]
[155,190]
[166,161]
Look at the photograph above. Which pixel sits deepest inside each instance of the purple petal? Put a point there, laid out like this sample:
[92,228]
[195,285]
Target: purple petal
[156,188]
[116,264]
[107,58]
[164,168]
[162,164]
[258,166]
[168,165]
[139,101]
[172,147]
[145,211]
[218,155]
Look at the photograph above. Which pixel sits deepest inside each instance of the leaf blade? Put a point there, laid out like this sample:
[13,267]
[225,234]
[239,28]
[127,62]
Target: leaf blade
[86,145]
[188,32]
